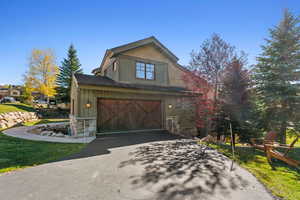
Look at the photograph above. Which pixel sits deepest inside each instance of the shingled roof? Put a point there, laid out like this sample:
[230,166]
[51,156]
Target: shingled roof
[84,79]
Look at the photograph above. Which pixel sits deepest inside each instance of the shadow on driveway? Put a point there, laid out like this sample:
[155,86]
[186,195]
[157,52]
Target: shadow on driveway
[103,143]
[182,169]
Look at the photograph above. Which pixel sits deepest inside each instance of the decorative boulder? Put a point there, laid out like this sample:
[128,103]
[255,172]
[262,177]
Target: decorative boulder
[47,133]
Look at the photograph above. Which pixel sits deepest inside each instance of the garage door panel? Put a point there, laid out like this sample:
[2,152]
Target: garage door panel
[119,114]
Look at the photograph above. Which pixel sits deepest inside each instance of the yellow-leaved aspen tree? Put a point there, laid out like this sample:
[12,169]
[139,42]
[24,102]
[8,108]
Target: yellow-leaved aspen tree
[28,89]
[43,72]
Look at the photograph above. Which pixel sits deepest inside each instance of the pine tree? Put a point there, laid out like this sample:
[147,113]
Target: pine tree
[68,67]
[277,76]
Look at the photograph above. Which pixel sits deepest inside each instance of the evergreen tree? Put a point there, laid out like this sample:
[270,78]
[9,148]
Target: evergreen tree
[235,101]
[68,67]
[277,76]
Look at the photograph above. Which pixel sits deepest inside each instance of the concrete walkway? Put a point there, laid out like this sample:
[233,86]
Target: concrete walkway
[141,166]
[22,132]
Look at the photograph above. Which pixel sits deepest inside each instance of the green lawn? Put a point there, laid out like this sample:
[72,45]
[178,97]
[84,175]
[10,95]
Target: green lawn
[17,153]
[13,107]
[45,121]
[284,182]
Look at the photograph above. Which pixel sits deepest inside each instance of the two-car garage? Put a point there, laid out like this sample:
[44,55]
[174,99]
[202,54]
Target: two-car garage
[128,114]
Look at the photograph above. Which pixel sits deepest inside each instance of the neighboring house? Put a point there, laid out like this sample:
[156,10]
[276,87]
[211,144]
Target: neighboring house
[138,86]
[11,91]
[4,92]
[15,92]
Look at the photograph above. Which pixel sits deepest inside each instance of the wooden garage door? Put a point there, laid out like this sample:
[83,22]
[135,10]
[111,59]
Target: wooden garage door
[122,115]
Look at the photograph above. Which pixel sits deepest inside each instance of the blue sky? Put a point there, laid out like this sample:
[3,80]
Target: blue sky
[93,26]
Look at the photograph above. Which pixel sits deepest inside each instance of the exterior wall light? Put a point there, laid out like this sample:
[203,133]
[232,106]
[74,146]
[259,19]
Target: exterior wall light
[88,105]
[170,106]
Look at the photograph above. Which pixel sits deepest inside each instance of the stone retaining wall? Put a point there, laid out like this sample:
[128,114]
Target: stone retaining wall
[13,118]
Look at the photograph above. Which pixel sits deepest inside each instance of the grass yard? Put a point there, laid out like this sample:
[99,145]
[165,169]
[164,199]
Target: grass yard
[17,153]
[13,107]
[44,121]
[284,182]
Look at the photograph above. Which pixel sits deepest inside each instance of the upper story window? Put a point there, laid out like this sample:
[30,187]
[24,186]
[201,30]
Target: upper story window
[144,71]
[115,66]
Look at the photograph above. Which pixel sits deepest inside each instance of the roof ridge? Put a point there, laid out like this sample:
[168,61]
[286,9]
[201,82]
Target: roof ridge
[125,47]
[151,37]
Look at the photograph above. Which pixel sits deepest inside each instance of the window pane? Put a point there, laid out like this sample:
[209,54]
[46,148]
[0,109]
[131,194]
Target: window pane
[115,66]
[149,71]
[140,70]
[150,75]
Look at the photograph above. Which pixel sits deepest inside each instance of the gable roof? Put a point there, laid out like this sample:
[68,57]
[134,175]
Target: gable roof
[126,47]
[92,80]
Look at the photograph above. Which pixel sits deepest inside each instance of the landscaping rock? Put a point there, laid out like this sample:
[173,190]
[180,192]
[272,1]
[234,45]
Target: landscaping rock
[57,130]
[3,125]
[47,133]
[13,118]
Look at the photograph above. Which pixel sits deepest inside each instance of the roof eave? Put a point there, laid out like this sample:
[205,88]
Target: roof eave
[153,91]
[96,70]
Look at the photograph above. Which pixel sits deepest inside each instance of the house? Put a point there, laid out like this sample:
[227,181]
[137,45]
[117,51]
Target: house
[11,91]
[138,86]
[15,91]
[4,92]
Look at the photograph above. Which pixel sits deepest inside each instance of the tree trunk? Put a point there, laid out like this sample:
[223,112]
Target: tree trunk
[282,132]
[232,142]
[208,129]
[48,102]
[216,91]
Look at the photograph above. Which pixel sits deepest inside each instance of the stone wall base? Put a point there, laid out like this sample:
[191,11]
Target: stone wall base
[83,127]
[13,118]
[173,126]
[180,118]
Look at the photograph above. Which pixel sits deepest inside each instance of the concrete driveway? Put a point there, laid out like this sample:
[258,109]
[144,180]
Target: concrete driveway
[140,166]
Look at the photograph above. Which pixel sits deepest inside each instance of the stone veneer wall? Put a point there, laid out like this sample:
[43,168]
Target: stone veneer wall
[180,118]
[13,118]
[83,127]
